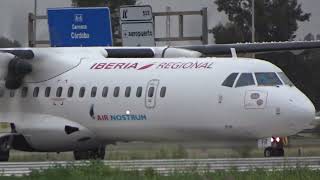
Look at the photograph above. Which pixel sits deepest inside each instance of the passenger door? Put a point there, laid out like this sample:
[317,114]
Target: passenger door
[151,93]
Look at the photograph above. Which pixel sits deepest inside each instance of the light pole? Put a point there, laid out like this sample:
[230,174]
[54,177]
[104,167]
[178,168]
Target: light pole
[253,25]
[35,22]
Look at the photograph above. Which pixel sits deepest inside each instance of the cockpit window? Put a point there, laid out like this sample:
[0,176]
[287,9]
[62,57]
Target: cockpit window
[245,79]
[285,78]
[267,79]
[230,80]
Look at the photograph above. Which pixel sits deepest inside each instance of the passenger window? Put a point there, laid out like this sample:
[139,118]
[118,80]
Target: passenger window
[151,92]
[127,92]
[36,92]
[285,78]
[59,92]
[2,91]
[12,93]
[105,92]
[139,91]
[70,92]
[230,80]
[116,91]
[24,92]
[267,79]
[245,79]
[163,92]
[82,92]
[47,91]
[93,91]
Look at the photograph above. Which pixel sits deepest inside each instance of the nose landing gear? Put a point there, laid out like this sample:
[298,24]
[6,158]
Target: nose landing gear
[273,146]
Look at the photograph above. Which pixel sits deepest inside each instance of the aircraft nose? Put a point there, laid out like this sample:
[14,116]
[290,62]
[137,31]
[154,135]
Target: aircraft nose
[303,112]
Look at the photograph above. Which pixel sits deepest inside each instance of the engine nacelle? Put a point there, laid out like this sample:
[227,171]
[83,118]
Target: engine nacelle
[180,53]
[5,58]
[53,134]
[170,52]
[17,66]
[17,69]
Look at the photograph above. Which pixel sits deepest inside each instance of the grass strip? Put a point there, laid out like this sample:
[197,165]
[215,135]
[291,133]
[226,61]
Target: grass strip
[98,171]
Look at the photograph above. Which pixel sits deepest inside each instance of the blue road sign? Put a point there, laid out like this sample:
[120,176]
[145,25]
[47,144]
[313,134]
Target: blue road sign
[79,27]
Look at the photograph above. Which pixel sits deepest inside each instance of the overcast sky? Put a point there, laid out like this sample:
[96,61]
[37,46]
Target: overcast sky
[13,16]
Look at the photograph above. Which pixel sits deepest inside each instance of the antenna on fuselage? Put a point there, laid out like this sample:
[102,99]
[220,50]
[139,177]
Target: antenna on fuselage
[234,53]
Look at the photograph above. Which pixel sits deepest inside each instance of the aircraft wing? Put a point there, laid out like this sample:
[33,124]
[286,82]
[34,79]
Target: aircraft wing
[224,49]
[182,51]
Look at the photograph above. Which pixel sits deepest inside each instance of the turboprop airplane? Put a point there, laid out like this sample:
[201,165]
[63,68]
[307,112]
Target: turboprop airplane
[82,99]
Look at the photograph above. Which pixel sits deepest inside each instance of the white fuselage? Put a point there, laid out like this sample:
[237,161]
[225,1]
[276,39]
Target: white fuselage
[195,105]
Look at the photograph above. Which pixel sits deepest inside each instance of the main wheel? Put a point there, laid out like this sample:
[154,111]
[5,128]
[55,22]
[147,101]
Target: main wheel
[98,153]
[4,156]
[5,145]
[81,155]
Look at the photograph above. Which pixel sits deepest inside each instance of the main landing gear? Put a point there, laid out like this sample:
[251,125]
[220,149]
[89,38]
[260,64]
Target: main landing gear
[4,155]
[276,148]
[5,146]
[97,154]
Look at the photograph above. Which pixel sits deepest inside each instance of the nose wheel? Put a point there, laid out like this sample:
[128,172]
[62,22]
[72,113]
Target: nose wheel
[273,152]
